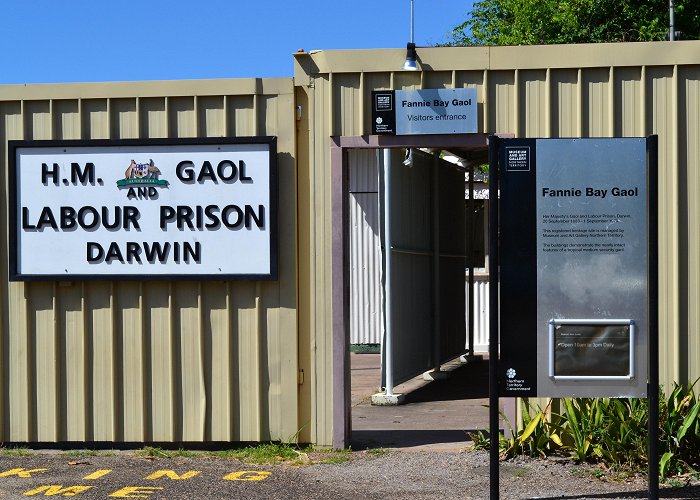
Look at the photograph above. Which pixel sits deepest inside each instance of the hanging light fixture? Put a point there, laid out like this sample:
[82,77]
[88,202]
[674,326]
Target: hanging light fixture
[411,63]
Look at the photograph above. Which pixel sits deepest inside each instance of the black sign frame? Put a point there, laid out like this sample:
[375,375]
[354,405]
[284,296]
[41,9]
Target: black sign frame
[13,213]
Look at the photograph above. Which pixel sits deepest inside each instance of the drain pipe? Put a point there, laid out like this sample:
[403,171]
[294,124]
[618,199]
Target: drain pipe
[388,356]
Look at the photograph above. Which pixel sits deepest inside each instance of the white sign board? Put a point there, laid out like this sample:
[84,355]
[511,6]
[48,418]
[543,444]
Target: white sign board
[436,111]
[159,209]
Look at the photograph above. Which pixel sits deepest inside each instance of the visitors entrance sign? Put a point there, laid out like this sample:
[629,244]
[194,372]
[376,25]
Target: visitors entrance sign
[424,111]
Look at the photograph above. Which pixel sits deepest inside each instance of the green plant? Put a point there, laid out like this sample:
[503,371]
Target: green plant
[539,437]
[613,432]
[541,432]
[680,430]
[583,421]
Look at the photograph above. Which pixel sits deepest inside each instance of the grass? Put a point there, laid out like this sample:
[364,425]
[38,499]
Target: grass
[267,453]
[675,483]
[520,473]
[378,451]
[88,453]
[332,456]
[598,473]
[155,452]
[16,452]
[260,454]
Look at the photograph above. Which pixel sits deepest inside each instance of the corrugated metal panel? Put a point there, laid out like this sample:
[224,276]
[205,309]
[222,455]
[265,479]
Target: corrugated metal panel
[315,242]
[365,270]
[481,313]
[452,222]
[366,318]
[363,173]
[410,305]
[549,91]
[153,361]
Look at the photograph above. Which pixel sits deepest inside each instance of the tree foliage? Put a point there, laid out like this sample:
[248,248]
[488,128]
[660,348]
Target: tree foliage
[530,22]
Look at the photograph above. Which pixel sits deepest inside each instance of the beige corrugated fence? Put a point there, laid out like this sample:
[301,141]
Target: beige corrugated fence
[153,360]
[601,90]
[240,361]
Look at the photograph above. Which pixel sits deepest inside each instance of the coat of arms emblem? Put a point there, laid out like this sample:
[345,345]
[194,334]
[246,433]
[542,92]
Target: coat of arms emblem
[142,173]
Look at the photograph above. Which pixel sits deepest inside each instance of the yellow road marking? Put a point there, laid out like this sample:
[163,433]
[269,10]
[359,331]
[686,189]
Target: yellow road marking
[98,474]
[133,491]
[248,475]
[21,472]
[170,474]
[51,490]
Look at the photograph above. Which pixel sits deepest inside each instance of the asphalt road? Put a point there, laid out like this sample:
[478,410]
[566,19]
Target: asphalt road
[367,475]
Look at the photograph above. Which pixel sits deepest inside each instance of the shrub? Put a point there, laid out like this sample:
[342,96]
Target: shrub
[610,431]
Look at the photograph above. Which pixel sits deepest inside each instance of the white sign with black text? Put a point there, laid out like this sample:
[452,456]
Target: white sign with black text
[135,209]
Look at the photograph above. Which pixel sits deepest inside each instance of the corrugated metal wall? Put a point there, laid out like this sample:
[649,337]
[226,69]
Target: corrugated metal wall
[366,309]
[601,90]
[481,313]
[152,361]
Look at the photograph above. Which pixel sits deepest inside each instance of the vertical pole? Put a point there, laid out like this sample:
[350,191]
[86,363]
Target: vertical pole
[471,220]
[493,317]
[412,22]
[388,357]
[671,17]
[436,260]
[653,315]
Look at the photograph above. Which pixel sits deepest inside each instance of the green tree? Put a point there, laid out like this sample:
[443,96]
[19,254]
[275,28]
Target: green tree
[529,22]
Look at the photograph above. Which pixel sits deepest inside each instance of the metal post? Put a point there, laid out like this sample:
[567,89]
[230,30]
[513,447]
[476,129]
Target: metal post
[412,22]
[436,260]
[671,16]
[388,357]
[493,317]
[470,253]
[653,315]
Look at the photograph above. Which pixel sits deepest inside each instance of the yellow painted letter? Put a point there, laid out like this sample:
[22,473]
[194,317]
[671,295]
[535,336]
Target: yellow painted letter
[173,475]
[21,472]
[98,474]
[49,491]
[248,475]
[133,491]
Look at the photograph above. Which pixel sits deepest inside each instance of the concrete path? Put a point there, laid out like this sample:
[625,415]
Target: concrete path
[436,415]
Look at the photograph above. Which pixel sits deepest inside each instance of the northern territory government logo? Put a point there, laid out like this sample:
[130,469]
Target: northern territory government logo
[142,174]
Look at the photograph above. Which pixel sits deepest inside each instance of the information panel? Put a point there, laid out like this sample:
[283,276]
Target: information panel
[574,264]
[137,209]
[424,111]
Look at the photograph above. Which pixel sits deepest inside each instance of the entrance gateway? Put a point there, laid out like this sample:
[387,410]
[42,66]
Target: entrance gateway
[431,260]
[574,233]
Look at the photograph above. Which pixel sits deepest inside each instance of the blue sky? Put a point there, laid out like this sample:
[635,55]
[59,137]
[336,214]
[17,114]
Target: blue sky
[47,41]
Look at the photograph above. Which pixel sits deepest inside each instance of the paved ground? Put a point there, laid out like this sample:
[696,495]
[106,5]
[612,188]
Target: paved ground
[414,451]
[435,416]
[368,475]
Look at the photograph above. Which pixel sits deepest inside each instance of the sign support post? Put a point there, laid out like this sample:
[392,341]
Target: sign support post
[493,317]
[653,388]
